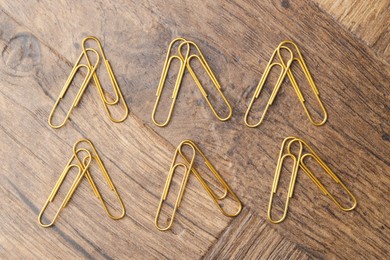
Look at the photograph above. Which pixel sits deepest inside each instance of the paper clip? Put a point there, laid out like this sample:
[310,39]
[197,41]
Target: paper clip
[185,61]
[95,156]
[298,58]
[223,183]
[76,182]
[211,75]
[167,186]
[83,167]
[117,91]
[299,161]
[283,71]
[279,165]
[76,67]
[321,163]
[188,167]
[167,66]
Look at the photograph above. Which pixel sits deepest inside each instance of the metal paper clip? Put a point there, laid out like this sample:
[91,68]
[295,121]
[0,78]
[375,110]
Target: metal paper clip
[188,167]
[167,65]
[321,163]
[298,58]
[117,91]
[76,182]
[223,183]
[167,186]
[76,67]
[279,165]
[209,73]
[283,71]
[185,63]
[299,161]
[96,157]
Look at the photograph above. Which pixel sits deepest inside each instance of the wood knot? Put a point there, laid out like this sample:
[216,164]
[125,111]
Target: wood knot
[285,4]
[22,53]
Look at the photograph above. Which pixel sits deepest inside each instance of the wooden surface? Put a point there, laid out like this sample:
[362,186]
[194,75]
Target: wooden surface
[346,47]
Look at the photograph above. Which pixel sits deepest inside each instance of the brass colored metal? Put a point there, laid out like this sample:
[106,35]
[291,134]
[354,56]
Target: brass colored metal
[283,71]
[76,67]
[96,157]
[298,58]
[295,56]
[167,65]
[299,161]
[185,62]
[279,165]
[117,91]
[223,183]
[83,169]
[76,182]
[189,167]
[91,73]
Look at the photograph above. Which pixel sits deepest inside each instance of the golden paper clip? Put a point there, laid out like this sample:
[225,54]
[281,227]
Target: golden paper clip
[117,91]
[95,156]
[283,71]
[167,66]
[211,75]
[167,186]
[188,167]
[294,171]
[76,68]
[216,199]
[185,61]
[299,161]
[321,163]
[81,172]
[298,58]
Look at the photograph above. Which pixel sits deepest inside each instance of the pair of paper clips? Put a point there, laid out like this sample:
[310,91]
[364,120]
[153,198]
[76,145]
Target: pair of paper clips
[91,73]
[185,62]
[188,167]
[285,69]
[81,163]
[299,162]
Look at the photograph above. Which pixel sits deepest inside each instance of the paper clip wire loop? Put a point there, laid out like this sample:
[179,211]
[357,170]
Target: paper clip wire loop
[96,157]
[282,75]
[223,183]
[117,91]
[72,189]
[185,63]
[167,65]
[188,168]
[211,75]
[75,69]
[299,160]
[279,165]
[167,186]
[321,163]
[309,79]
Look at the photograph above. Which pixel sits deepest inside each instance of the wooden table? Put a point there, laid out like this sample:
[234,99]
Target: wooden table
[346,47]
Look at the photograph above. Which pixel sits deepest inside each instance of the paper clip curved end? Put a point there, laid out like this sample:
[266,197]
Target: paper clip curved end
[269,213]
[121,204]
[160,124]
[352,197]
[247,115]
[120,120]
[49,121]
[41,215]
[323,120]
[158,216]
[229,115]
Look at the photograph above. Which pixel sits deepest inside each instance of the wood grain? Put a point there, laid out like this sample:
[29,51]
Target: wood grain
[370,21]
[237,39]
[250,236]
